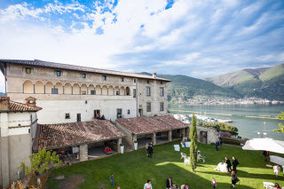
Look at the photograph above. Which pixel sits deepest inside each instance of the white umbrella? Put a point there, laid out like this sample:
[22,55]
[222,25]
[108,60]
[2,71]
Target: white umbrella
[265,144]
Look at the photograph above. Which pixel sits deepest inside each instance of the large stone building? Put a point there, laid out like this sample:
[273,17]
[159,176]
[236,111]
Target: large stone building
[69,93]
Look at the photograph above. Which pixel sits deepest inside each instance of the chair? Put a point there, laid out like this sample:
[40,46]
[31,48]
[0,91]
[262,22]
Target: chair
[182,145]
[177,147]
[185,158]
[187,144]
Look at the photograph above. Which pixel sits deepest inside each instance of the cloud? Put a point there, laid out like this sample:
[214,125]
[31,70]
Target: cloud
[197,38]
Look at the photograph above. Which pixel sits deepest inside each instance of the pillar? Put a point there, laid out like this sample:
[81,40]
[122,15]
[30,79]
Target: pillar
[183,132]
[170,135]
[154,139]
[4,150]
[83,152]
[119,142]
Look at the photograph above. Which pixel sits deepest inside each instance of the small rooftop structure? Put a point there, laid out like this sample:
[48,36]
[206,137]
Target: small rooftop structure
[53,136]
[7,105]
[147,125]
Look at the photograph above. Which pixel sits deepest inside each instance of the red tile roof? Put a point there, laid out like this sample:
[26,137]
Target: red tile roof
[10,106]
[146,125]
[52,136]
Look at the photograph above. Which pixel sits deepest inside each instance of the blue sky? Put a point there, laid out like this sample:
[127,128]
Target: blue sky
[195,38]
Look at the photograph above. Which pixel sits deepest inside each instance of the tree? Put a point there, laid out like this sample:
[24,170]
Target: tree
[193,143]
[280,125]
[41,162]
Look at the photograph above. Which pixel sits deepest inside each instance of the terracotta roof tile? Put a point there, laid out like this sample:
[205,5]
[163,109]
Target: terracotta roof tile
[6,105]
[145,125]
[52,136]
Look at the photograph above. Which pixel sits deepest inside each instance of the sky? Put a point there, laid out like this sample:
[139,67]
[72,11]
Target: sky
[199,38]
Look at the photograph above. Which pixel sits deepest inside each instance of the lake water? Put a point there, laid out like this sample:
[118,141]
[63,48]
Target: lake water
[247,118]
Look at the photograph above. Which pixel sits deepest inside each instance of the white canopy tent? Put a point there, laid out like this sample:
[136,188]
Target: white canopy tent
[277,160]
[265,144]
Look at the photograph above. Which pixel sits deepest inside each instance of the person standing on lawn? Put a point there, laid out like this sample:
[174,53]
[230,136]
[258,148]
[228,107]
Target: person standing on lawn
[150,150]
[234,179]
[112,180]
[229,164]
[235,163]
[148,185]
[169,183]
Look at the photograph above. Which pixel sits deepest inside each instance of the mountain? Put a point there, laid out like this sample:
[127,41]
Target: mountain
[185,87]
[262,82]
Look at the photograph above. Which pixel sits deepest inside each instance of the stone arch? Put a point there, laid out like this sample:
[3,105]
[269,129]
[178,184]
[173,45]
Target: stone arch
[84,89]
[127,91]
[116,91]
[59,86]
[48,87]
[98,90]
[67,88]
[28,87]
[76,89]
[91,89]
[122,91]
[104,90]
[111,91]
[39,87]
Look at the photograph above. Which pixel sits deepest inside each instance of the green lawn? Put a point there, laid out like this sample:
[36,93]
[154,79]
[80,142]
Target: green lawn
[132,169]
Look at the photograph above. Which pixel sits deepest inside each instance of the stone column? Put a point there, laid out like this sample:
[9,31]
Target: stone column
[183,132]
[154,139]
[83,152]
[4,150]
[170,137]
[119,142]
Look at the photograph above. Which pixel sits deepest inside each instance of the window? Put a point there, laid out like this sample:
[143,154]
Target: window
[134,93]
[67,116]
[54,90]
[84,92]
[162,106]
[104,77]
[122,79]
[148,81]
[119,113]
[83,75]
[117,93]
[148,91]
[162,91]
[128,112]
[78,117]
[93,92]
[28,70]
[134,80]
[161,82]
[97,114]
[58,73]
[148,106]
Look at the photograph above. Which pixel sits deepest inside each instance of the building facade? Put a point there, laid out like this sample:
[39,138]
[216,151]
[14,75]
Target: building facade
[70,93]
[18,124]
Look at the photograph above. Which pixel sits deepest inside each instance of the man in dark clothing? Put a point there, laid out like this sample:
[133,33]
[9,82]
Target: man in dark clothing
[229,165]
[169,183]
[150,150]
[235,163]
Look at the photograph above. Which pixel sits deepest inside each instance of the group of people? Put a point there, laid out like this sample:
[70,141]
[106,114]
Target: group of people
[171,185]
[230,167]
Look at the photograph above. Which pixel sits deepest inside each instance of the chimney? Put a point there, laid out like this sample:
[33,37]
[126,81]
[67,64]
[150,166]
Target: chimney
[154,75]
[4,103]
[31,101]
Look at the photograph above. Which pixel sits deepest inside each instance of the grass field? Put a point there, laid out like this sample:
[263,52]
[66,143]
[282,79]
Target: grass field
[132,169]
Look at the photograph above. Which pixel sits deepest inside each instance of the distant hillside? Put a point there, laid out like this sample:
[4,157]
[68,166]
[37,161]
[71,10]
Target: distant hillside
[188,87]
[263,82]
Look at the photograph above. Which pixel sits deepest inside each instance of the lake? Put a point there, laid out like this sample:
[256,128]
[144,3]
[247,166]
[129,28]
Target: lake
[249,119]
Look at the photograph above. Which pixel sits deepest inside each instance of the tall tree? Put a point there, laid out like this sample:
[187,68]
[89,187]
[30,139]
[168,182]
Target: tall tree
[193,143]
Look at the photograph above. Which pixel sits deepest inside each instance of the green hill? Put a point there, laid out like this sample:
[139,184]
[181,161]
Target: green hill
[263,82]
[185,87]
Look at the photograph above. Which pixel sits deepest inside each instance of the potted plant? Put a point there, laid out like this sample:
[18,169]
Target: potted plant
[135,145]
[121,148]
